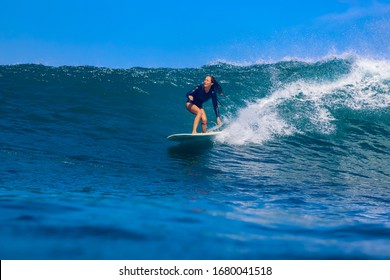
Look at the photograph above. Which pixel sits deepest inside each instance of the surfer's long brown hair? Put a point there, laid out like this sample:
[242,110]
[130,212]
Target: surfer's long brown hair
[216,85]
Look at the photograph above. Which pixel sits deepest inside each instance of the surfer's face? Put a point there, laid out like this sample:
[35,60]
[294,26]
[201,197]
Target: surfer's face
[207,82]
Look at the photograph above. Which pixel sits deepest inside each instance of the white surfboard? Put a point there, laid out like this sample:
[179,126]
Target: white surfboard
[184,137]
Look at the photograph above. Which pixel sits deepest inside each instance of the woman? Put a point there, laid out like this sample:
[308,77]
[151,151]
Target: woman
[199,95]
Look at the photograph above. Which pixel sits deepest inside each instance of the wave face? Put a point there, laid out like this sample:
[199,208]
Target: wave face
[301,170]
[318,98]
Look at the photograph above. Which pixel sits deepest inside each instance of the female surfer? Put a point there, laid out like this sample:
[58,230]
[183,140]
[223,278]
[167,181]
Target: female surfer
[199,95]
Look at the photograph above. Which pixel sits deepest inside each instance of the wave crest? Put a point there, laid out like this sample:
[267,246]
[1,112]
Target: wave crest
[310,104]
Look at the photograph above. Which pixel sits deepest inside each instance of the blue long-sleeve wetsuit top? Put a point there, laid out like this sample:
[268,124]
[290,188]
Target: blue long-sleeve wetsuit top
[200,97]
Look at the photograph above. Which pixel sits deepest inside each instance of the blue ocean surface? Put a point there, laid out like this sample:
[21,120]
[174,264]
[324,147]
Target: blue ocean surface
[300,171]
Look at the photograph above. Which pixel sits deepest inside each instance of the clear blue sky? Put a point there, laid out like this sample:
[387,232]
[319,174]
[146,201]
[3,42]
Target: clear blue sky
[174,33]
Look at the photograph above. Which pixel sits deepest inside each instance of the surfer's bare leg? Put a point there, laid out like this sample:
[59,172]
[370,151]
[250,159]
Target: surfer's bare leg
[204,121]
[198,115]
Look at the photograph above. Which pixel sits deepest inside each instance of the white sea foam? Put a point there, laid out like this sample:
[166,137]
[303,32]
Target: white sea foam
[306,106]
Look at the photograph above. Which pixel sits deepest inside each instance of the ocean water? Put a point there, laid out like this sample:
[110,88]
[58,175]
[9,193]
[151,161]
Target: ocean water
[300,171]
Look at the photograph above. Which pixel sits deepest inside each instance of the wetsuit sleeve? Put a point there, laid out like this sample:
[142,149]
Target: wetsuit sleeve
[215,104]
[192,92]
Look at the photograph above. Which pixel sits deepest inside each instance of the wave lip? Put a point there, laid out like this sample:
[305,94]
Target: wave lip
[314,102]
